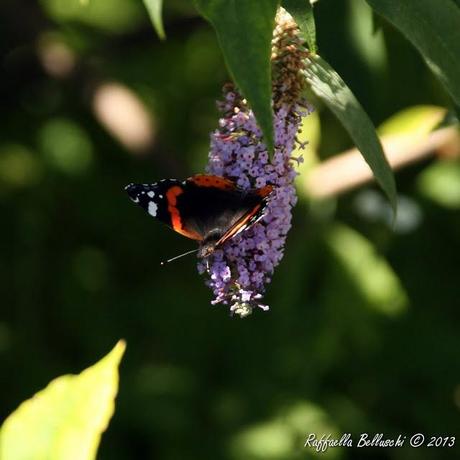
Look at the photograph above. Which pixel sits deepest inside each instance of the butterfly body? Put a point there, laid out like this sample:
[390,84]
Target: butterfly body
[208,209]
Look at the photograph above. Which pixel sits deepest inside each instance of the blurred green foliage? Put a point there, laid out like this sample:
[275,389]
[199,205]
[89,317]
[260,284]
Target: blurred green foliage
[362,335]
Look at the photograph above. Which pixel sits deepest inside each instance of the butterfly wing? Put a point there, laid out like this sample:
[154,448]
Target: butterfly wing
[160,200]
[218,209]
[203,207]
[249,218]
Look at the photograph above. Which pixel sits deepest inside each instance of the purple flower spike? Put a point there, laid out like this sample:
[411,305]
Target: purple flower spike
[238,274]
[239,271]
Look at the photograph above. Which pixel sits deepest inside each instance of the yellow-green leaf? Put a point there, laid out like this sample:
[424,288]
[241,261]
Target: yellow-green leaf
[244,29]
[415,121]
[283,435]
[310,134]
[66,419]
[155,8]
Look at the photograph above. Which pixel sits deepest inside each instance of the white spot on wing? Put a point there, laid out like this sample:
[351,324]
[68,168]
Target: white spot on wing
[151,194]
[152,209]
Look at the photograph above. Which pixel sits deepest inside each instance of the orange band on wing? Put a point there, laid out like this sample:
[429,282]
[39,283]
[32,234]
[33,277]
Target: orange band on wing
[239,225]
[262,192]
[176,222]
[205,180]
[265,191]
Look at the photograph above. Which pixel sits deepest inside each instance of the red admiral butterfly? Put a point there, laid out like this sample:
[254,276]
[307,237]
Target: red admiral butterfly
[209,209]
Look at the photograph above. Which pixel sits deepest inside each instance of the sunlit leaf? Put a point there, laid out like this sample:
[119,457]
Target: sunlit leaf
[327,84]
[302,12]
[441,183]
[155,8]
[370,272]
[415,121]
[306,413]
[244,29]
[310,134]
[368,40]
[66,419]
[269,440]
[114,16]
[284,435]
[433,27]
[409,130]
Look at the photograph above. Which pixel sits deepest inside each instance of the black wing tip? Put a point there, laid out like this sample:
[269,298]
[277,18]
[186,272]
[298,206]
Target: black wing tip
[132,190]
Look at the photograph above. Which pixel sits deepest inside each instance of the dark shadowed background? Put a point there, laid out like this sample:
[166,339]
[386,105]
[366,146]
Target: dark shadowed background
[363,330]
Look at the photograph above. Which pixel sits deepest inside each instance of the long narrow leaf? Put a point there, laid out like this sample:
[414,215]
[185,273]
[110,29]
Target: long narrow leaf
[433,27]
[327,85]
[155,9]
[244,29]
[302,12]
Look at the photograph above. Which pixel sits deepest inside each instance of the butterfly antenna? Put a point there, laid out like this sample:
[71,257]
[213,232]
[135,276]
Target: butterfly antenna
[178,257]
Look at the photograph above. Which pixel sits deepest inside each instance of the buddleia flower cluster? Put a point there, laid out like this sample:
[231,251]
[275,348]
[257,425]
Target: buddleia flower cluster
[239,271]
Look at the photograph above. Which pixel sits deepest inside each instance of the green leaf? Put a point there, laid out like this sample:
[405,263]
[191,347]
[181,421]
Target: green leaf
[155,7]
[326,83]
[441,183]
[416,121]
[302,12]
[66,419]
[433,27]
[369,272]
[244,29]
[278,437]
[309,133]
